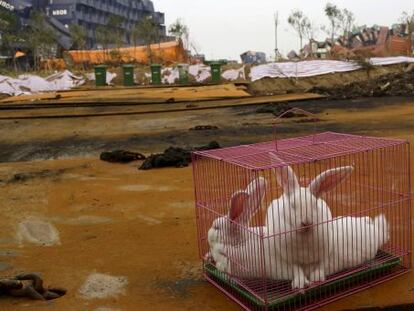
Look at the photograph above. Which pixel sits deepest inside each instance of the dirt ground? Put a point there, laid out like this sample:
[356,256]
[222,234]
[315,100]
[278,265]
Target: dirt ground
[23,140]
[139,225]
[270,86]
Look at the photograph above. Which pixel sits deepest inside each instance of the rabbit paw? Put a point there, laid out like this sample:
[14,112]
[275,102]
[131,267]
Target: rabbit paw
[300,282]
[219,254]
[317,275]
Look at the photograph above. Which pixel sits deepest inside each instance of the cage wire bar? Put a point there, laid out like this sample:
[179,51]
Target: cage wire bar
[320,218]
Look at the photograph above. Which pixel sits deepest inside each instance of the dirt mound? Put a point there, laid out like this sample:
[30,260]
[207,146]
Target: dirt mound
[270,86]
[394,84]
[174,157]
[121,156]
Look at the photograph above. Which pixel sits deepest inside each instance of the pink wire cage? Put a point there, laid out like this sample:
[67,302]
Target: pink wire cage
[297,223]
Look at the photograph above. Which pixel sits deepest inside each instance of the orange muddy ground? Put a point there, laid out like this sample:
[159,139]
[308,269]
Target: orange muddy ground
[116,220]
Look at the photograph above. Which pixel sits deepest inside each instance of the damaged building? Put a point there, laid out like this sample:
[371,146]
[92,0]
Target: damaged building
[368,41]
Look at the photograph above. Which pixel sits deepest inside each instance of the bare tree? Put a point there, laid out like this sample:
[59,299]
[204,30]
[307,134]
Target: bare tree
[348,22]
[301,24]
[408,19]
[335,16]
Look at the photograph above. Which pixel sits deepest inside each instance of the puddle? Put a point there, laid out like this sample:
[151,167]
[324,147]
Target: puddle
[101,286]
[180,288]
[37,232]
[5,266]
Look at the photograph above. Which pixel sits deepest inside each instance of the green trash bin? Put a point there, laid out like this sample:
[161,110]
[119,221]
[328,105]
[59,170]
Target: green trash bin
[215,72]
[128,75]
[183,73]
[156,74]
[100,75]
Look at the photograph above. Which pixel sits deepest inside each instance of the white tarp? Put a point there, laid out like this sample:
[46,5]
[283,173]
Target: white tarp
[200,72]
[234,74]
[29,84]
[316,67]
[7,85]
[65,80]
[170,75]
[382,61]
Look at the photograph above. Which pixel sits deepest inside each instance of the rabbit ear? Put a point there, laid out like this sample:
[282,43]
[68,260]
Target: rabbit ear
[245,203]
[285,176]
[329,180]
[238,204]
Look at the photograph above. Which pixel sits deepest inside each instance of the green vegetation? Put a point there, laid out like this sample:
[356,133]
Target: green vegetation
[180,31]
[147,31]
[79,36]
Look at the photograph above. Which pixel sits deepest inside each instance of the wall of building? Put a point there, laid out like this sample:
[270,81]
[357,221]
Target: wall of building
[94,13]
[90,14]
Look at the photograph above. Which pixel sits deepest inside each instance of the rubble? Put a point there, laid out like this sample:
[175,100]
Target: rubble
[121,156]
[29,84]
[276,109]
[394,84]
[174,157]
[367,41]
[252,57]
[311,68]
[29,285]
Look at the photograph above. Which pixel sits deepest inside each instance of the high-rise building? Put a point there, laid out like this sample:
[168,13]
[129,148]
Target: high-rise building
[93,13]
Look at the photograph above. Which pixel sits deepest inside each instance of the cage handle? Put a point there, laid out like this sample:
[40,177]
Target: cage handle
[295,110]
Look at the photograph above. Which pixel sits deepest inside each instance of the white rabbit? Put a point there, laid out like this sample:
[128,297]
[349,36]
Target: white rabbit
[300,223]
[296,236]
[238,251]
[227,230]
[356,241]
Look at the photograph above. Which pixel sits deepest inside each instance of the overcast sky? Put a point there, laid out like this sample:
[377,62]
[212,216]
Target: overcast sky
[227,28]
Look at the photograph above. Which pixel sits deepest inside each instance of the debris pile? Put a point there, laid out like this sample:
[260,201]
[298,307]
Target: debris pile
[394,84]
[29,285]
[311,68]
[29,84]
[366,41]
[121,156]
[174,157]
[277,109]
